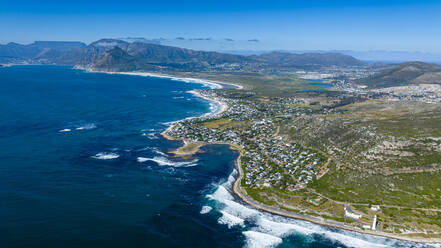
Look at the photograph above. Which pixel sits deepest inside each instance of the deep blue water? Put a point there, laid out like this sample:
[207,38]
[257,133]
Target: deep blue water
[55,191]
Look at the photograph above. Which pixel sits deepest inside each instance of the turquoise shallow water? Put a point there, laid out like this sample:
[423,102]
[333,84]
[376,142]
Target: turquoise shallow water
[70,173]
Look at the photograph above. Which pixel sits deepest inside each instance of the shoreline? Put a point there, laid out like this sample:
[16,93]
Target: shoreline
[212,83]
[236,187]
[222,105]
[241,194]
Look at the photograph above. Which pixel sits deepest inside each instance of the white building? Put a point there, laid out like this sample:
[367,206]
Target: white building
[350,214]
[375,208]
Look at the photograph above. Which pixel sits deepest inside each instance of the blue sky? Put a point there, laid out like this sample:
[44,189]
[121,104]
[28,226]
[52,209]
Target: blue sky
[290,25]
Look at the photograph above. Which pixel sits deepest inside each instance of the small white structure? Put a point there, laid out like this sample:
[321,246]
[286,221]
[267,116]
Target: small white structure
[366,226]
[374,223]
[350,214]
[375,208]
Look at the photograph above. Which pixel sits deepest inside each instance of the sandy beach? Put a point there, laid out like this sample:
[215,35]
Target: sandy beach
[222,105]
[213,84]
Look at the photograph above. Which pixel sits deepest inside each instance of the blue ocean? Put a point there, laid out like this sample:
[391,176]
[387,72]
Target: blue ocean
[82,164]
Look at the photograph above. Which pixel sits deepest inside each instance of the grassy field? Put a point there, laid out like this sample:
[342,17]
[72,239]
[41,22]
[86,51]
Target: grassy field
[285,85]
[222,124]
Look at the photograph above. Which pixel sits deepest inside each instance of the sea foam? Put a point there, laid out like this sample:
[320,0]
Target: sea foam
[230,220]
[166,162]
[86,126]
[258,239]
[106,155]
[205,209]
[150,135]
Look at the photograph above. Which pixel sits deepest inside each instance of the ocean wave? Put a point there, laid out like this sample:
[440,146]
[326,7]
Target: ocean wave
[273,228]
[166,162]
[150,135]
[257,239]
[65,130]
[167,123]
[86,126]
[205,209]
[157,151]
[230,220]
[148,130]
[105,155]
[214,107]
[153,149]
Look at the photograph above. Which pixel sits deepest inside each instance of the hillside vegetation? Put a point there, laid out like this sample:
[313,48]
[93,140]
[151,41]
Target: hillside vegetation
[405,74]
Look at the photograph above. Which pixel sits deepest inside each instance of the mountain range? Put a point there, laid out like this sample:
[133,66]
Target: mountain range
[119,55]
[37,51]
[142,55]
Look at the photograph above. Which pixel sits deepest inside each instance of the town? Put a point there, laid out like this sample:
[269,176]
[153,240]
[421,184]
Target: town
[268,159]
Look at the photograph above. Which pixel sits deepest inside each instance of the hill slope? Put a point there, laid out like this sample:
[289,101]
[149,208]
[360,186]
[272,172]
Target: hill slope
[307,60]
[405,74]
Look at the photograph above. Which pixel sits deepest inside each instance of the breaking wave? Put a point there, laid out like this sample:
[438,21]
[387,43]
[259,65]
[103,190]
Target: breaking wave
[257,239]
[166,162]
[150,135]
[230,220]
[157,151]
[206,209]
[86,126]
[105,155]
[262,229]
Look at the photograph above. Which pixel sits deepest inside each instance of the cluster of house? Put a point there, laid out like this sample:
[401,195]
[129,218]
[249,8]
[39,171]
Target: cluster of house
[268,159]
[282,165]
[350,72]
[194,132]
[429,93]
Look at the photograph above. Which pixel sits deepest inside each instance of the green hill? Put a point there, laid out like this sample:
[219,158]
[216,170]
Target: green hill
[405,74]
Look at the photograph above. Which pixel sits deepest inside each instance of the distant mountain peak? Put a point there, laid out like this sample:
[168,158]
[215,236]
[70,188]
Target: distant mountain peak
[108,43]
